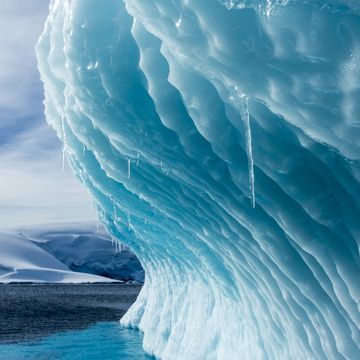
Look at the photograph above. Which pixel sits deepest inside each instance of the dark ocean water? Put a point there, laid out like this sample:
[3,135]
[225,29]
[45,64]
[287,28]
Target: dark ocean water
[67,322]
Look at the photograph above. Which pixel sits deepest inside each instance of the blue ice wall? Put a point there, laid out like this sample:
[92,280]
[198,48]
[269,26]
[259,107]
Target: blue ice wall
[220,141]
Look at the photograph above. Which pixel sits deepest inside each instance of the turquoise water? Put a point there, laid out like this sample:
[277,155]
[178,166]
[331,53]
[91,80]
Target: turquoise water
[103,341]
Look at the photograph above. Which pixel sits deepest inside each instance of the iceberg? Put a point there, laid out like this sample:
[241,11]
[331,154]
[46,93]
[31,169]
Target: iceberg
[219,140]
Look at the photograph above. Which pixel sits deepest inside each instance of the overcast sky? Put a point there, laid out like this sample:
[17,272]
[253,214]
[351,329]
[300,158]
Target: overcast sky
[33,188]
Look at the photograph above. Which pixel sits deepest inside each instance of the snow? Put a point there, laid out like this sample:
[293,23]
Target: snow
[23,261]
[219,140]
[86,247]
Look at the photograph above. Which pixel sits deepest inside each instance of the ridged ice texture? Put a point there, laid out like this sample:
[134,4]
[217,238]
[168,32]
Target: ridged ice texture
[220,140]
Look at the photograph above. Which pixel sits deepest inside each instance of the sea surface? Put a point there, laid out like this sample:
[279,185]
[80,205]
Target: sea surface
[63,322]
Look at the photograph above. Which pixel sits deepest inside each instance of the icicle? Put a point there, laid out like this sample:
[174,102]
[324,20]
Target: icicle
[115,211]
[137,159]
[129,168]
[84,150]
[129,221]
[63,138]
[63,158]
[244,111]
[92,201]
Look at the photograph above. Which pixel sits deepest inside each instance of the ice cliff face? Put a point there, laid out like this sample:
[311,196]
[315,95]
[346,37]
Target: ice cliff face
[220,141]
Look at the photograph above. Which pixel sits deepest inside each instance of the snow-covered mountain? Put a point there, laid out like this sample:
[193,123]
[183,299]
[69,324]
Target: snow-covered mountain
[23,261]
[86,248]
[65,253]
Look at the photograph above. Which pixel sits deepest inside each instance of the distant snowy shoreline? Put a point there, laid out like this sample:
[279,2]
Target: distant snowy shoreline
[64,253]
[115,282]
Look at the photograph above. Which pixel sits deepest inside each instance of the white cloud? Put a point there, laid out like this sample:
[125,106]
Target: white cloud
[33,188]
[21,23]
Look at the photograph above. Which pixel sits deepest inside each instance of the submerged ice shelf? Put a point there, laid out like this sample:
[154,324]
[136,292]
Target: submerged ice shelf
[219,140]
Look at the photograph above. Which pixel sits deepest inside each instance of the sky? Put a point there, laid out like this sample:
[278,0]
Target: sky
[33,187]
